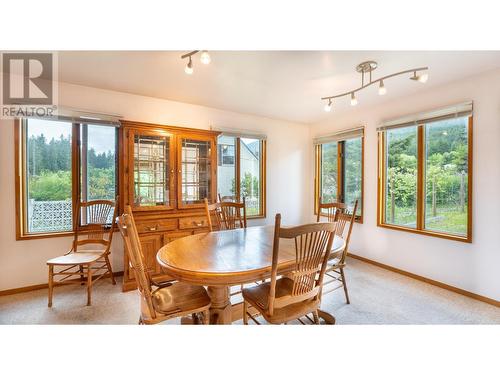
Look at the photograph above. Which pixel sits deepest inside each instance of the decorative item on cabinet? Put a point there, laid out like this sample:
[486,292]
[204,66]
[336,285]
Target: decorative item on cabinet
[165,174]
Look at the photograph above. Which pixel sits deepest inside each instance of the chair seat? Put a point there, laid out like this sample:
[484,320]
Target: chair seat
[80,257]
[180,297]
[258,297]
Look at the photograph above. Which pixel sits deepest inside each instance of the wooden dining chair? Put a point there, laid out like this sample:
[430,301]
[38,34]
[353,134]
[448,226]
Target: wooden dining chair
[344,220]
[88,259]
[299,292]
[167,300]
[226,198]
[227,215]
[329,210]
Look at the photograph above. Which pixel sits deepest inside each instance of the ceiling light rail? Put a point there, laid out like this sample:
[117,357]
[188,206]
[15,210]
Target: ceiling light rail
[366,68]
[204,58]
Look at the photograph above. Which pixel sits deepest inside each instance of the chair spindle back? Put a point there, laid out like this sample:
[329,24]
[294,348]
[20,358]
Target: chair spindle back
[313,243]
[93,225]
[128,229]
[345,222]
[329,210]
[228,215]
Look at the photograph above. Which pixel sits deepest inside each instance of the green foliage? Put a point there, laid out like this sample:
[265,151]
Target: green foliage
[329,164]
[249,186]
[445,176]
[49,170]
[101,183]
[353,171]
[51,186]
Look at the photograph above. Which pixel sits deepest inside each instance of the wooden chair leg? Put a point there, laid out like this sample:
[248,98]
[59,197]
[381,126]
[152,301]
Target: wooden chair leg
[89,285]
[206,317]
[82,277]
[316,317]
[344,284]
[51,284]
[245,316]
[108,264]
[140,321]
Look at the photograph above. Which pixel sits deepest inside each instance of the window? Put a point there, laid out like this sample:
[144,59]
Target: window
[59,161]
[98,162]
[48,187]
[226,151]
[339,169]
[425,177]
[241,171]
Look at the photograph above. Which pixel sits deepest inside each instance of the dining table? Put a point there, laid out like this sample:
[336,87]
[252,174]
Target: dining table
[221,259]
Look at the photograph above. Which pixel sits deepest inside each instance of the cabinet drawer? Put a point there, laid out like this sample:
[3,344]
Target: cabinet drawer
[193,222]
[151,226]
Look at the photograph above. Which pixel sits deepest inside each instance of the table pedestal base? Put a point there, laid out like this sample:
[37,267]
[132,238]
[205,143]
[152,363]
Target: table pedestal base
[220,310]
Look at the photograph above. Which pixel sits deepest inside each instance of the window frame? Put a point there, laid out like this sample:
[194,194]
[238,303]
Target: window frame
[20,128]
[381,186]
[221,156]
[340,175]
[237,173]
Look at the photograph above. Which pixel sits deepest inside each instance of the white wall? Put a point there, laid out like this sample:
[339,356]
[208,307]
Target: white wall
[22,263]
[474,267]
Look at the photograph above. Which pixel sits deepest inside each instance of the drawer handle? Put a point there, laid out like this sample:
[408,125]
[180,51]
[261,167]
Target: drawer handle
[152,229]
[197,224]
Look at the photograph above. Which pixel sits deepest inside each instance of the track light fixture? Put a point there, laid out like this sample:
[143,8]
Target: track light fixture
[367,67]
[381,88]
[420,78]
[328,106]
[204,58]
[189,67]
[354,101]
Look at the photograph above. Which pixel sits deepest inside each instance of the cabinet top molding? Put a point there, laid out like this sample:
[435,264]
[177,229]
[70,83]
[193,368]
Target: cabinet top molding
[170,128]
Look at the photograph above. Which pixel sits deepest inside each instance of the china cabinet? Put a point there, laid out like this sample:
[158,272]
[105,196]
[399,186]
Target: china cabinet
[167,172]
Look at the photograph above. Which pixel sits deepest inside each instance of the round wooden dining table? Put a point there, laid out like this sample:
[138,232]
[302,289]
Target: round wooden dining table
[222,259]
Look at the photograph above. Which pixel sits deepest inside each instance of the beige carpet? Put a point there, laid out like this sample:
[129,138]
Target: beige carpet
[377,296]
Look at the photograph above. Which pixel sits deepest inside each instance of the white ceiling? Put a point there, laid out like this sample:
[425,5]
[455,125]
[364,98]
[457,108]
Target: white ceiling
[277,84]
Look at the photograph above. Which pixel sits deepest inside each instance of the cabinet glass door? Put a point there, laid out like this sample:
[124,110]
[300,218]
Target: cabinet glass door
[152,166]
[195,171]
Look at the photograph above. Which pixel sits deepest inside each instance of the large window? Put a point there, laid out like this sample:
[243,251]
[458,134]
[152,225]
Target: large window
[241,171]
[57,162]
[339,169]
[425,177]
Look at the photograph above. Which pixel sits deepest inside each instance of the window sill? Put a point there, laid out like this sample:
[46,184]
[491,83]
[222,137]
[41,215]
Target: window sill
[39,236]
[256,217]
[446,236]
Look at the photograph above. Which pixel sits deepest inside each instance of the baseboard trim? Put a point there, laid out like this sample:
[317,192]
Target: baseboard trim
[439,284]
[30,288]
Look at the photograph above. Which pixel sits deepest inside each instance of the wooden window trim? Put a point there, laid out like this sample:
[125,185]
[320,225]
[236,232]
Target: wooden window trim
[421,188]
[340,176]
[262,176]
[20,180]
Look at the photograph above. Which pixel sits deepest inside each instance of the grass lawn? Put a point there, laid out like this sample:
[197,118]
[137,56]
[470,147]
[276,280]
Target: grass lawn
[448,219]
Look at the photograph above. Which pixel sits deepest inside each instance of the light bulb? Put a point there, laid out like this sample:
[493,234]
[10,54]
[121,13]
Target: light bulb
[205,58]
[423,78]
[381,89]
[328,106]
[420,78]
[354,101]
[189,67]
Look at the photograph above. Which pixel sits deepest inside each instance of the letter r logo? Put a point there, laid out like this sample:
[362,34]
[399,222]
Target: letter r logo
[28,78]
